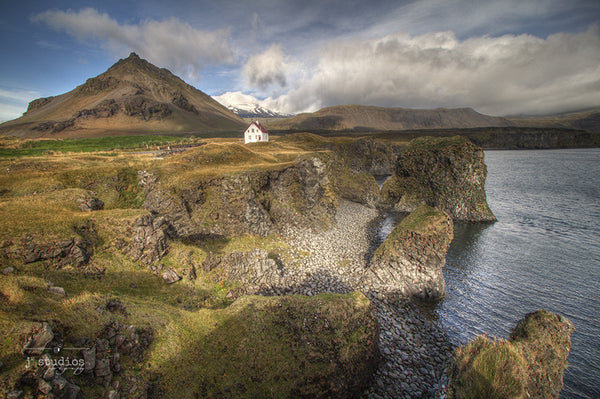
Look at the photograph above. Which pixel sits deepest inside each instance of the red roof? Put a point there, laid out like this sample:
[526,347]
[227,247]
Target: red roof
[259,126]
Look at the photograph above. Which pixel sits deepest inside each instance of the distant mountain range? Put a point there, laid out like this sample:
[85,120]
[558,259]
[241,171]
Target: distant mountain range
[367,118]
[588,120]
[136,97]
[131,97]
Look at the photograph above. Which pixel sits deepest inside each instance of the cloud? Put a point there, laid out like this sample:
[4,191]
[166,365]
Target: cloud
[265,69]
[170,43]
[14,102]
[509,74]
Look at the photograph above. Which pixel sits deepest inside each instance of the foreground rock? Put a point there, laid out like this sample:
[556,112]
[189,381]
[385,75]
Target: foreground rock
[447,173]
[530,364]
[410,261]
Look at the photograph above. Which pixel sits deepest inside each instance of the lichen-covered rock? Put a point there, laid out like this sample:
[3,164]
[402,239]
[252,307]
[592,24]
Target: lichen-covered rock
[530,364]
[90,204]
[161,202]
[447,173]
[170,276]
[257,202]
[410,260]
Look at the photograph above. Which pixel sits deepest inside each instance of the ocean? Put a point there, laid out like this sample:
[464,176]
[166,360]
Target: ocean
[543,252]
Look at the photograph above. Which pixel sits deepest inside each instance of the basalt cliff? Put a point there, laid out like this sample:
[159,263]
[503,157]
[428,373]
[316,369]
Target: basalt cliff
[179,276]
[447,173]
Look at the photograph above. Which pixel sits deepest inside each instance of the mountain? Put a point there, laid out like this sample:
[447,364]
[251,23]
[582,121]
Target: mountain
[131,97]
[254,111]
[588,120]
[362,117]
[247,106]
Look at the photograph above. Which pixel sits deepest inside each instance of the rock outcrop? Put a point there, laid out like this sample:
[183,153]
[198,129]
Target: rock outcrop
[253,268]
[447,173]
[544,340]
[410,260]
[72,251]
[253,202]
[149,239]
[530,364]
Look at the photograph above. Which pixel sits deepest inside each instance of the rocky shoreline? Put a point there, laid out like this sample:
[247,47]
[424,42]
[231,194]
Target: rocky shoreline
[415,352]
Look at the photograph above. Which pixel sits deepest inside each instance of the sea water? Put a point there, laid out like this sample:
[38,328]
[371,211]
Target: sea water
[543,252]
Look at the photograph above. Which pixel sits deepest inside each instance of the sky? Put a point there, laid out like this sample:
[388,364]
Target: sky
[504,57]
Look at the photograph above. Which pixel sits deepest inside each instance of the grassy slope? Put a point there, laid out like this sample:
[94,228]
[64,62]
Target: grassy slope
[192,319]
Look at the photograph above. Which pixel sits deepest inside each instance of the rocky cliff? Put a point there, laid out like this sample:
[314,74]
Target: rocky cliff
[447,173]
[410,261]
[530,364]
[255,202]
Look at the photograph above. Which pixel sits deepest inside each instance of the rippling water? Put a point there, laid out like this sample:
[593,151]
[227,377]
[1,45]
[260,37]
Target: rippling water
[544,252]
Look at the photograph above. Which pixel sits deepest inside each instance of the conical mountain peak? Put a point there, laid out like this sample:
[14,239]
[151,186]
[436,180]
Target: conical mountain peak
[132,96]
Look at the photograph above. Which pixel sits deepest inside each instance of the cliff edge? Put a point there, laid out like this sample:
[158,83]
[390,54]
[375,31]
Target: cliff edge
[448,173]
[410,260]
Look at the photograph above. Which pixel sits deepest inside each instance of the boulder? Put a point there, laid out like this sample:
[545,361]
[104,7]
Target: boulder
[36,343]
[448,173]
[57,290]
[90,204]
[253,268]
[8,270]
[410,261]
[89,358]
[170,276]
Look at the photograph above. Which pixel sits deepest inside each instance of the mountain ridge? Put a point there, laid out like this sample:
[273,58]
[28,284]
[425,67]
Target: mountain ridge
[367,117]
[130,97]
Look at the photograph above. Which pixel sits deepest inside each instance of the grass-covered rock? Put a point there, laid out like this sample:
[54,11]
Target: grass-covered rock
[530,364]
[447,173]
[410,261]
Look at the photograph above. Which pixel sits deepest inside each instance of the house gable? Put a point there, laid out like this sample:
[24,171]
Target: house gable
[256,133]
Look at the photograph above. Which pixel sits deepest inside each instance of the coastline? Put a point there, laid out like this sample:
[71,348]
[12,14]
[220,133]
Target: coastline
[415,351]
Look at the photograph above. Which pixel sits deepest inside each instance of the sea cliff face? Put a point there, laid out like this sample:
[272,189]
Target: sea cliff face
[447,173]
[410,261]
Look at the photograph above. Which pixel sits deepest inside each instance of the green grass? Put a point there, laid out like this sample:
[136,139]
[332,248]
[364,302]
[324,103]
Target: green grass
[45,147]
[489,369]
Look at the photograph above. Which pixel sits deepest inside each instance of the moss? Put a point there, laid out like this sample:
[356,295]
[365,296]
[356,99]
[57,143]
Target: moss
[265,347]
[489,369]
[530,364]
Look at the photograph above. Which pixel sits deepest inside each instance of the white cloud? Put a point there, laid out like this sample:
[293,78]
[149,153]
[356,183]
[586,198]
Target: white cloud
[170,43]
[267,68]
[9,112]
[496,75]
[14,102]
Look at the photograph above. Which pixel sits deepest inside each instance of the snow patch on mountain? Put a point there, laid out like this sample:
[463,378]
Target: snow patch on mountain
[247,106]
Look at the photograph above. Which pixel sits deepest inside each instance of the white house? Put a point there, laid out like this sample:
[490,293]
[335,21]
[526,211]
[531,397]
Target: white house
[256,133]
